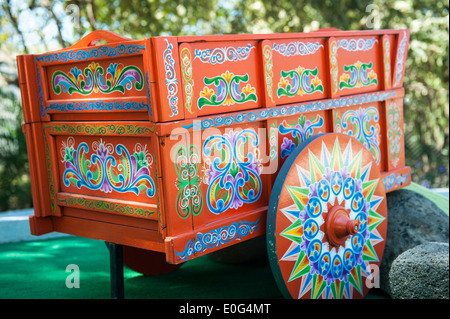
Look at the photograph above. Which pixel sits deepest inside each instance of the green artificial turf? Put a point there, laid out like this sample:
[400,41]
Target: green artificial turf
[37,269]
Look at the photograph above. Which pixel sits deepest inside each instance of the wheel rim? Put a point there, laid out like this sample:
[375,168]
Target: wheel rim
[327,220]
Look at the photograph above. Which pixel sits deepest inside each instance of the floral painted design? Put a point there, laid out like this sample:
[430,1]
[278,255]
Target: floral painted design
[189,198]
[188,82]
[217,237]
[354,45]
[94,52]
[299,131]
[356,123]
[228,89]
[394,180]
[222,55]
[299,81]
[400,59]
[360,75]
[333,65]
[297,48]
[106,206]
[273,141]
[107,173]
[395,132]
[292,109]
[118,78]
[232,170]
[334,177]
[387,61]
[171,78]
[268,73]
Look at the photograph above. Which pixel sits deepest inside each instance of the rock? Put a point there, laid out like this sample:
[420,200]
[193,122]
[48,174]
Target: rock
[421,273]
[412,220]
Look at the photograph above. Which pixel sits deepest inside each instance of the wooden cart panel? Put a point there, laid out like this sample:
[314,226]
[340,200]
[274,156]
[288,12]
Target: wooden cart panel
[232,172]
[95,82]
[105,168]
[395,147]
[220,77]
[355,65]
[169,105]
[288,132]
[365,123]
[298,70]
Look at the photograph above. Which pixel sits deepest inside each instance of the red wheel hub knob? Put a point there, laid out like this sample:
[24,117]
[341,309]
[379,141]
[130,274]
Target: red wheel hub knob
[339,226]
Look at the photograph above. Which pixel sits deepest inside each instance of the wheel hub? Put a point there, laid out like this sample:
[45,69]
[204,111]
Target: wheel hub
[339,226]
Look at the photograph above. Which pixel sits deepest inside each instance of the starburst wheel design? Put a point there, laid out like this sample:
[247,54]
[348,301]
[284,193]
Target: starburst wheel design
[327,220]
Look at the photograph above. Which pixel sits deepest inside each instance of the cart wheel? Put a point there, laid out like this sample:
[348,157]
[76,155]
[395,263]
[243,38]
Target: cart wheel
[327,220]
[147,262]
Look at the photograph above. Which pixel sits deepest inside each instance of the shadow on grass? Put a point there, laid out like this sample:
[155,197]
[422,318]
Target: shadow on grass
[203,278]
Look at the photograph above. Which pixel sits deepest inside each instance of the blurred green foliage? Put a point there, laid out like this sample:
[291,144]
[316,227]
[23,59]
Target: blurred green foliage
[35,26]
[15,186]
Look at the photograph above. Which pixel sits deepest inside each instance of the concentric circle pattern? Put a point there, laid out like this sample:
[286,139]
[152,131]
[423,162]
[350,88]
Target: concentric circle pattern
[331,171]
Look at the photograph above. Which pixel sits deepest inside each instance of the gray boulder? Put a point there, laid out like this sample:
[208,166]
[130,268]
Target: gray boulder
[412,220]
[421,273]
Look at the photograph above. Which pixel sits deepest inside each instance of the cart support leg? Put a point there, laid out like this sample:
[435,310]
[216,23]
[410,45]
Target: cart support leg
[116,270]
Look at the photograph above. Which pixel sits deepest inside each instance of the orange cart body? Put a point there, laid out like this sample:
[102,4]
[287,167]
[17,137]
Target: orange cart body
[172,144]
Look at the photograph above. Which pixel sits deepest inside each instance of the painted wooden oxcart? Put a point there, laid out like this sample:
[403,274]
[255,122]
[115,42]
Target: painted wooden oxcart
[175,147]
